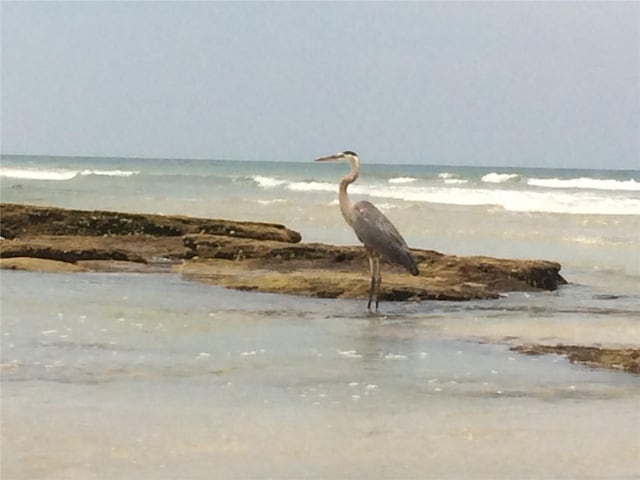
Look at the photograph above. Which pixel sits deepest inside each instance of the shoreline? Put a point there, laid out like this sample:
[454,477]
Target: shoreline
[267,257]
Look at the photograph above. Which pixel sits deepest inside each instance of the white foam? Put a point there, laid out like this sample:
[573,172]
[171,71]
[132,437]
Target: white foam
[515,200]
[61,174]
[273,201]
[505,197]
[34,174]
[400,180]
[267,182]
[455,181]
[451,178]
[494,177]
[312,186]
[586,183]
[110,173]
[349,353]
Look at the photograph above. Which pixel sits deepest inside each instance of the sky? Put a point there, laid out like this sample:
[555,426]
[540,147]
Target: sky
[496,84]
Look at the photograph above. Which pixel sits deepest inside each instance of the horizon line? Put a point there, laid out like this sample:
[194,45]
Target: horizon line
[134,157]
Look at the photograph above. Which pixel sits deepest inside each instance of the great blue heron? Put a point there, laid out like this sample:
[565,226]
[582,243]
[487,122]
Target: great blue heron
[380,237]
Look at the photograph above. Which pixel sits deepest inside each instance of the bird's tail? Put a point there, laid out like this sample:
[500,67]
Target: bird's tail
[408,262]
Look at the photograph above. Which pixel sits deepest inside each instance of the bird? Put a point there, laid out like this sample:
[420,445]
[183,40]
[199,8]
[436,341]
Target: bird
[380,237]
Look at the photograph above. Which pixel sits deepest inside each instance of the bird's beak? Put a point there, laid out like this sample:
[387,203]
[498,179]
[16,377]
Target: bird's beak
[330,157]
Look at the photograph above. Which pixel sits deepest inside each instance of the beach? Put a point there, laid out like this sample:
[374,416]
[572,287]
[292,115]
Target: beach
[151,375]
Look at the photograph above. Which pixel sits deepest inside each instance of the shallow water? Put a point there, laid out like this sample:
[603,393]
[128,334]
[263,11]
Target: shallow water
[150,376]
[587,220]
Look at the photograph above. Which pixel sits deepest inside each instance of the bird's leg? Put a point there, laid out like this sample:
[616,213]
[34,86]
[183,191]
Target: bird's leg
[372,287]
[378,276]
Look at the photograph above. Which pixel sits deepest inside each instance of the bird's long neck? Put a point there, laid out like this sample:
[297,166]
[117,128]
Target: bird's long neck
[343,197]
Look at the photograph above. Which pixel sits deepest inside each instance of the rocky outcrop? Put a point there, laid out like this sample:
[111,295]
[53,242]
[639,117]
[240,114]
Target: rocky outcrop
[31,220]
[627,359]
[39,265]
[249,256]
[343,271]
[69,248]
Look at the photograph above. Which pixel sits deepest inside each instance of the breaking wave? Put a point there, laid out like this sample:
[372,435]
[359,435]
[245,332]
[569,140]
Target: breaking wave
[25,174]
[274,201]
[510,199]
[401,180]
[110,173]
[452,179]
[455,181]
[312,186]
[586,183]
[514,200]
[60,175]
[267,182]
[494,177]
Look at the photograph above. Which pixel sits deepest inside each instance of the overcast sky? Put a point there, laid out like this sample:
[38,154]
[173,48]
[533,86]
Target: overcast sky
[522,84]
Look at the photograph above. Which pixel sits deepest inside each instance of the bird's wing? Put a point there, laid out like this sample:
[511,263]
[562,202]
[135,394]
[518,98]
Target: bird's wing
[377,232]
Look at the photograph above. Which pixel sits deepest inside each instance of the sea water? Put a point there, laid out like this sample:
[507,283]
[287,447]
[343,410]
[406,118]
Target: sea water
[151,376]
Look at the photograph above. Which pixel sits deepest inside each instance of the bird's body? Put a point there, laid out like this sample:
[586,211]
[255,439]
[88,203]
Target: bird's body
[377,232]
[379,236]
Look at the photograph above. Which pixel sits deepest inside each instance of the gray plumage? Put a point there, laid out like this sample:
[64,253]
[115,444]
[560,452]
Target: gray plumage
[377,232]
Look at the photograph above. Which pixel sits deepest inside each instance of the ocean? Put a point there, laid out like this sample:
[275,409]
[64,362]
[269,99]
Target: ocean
[151,376]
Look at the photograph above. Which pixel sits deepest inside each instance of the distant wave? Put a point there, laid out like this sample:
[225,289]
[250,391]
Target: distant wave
[110,173]
[267,182]
[26,174]
[516,200]
[451,179]
[455,181]
[273,201]
[59,175]
[400,180]
[312,186]
[586,183]
[494,177]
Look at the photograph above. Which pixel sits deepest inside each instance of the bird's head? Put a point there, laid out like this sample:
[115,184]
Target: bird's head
[347,155]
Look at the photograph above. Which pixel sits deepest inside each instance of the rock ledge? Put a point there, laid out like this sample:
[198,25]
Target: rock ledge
[247,255]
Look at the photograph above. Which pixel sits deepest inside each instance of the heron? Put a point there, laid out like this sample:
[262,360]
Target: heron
[380,237]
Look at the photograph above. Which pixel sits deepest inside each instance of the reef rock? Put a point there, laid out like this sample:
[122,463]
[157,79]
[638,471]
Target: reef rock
[343,271]
[21,220]
[627,359]
[249,256]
